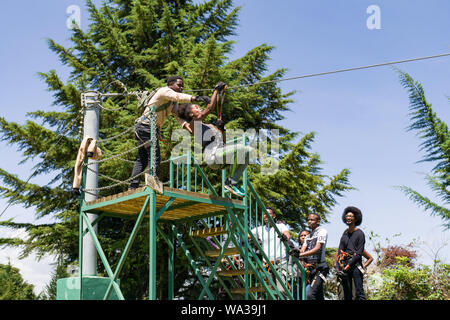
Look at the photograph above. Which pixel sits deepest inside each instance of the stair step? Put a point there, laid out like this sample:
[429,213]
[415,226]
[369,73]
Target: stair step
[251,290]
[232,273]
[216,253]
[204,233]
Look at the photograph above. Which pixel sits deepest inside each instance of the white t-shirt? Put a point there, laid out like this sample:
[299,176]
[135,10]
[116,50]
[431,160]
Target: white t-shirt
[271,243]
[319,235]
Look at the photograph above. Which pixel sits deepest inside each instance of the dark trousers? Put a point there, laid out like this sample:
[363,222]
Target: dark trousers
[142,134]
[354,276]
[315,292]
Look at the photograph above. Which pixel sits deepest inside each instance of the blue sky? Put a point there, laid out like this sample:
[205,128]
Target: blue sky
[360,117]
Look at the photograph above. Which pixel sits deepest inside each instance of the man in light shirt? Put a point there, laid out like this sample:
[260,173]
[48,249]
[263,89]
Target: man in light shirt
[165,100]
[271,243]
[273,246]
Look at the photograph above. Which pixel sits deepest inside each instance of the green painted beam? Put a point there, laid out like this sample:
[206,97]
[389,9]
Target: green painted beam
[127,247]
[92,207]
[152,246]
[193,264]
[164,207]
[202,254]
[102,256]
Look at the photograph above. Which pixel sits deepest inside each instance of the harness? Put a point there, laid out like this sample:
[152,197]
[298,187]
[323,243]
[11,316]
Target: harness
[342,260]
[219,106]
[143,101]
[276,263]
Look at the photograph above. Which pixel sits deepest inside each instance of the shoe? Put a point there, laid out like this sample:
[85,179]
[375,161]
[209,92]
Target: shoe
[234,190]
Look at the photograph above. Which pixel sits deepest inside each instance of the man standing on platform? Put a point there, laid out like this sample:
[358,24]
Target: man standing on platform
[165,100]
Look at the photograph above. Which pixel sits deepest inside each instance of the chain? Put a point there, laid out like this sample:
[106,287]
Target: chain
[116,184]
[154,140]
[116,136]
[117,155]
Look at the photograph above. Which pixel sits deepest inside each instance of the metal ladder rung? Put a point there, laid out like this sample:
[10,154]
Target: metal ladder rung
[204,233]
[232,273]
[251,290]
[216,253]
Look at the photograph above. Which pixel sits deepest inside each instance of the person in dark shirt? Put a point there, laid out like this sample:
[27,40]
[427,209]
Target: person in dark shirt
[214,148]
[352,246]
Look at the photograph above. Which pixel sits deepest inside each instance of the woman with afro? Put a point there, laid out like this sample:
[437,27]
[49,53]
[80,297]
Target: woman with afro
[351,247]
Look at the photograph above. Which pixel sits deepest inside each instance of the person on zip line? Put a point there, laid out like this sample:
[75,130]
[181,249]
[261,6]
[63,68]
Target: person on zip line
[214,149]
[166,101]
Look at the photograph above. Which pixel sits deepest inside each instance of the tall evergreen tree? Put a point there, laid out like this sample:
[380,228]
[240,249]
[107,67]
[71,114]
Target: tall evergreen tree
[12,285]
[436,144]
[50,290]
[140,43]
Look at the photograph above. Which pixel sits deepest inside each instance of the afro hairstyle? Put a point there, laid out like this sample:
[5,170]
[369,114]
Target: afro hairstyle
[356,212]
[183,111]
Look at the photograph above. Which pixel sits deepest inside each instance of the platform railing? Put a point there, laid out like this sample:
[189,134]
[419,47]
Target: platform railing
[271,268]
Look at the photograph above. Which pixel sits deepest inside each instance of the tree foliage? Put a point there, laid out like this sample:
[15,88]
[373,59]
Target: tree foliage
[396,275]
[401,281]
[50,290]
[436,143]
[12,285]
[141,43]
[392,253]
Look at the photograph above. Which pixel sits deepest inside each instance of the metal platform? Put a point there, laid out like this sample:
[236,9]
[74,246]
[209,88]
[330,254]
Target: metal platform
[173,204]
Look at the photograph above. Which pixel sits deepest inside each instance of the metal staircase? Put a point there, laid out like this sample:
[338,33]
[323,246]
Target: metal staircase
[220,247]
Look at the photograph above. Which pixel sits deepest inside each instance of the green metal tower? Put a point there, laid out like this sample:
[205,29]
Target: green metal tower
[224,252]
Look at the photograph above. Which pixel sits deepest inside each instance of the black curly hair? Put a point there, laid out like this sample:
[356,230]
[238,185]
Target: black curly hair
[356,212]
[183,111]
[173,79]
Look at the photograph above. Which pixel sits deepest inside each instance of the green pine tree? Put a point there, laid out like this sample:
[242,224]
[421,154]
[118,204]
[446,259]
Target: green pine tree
[50,289]
[12,285]
[141,43]
[436,144]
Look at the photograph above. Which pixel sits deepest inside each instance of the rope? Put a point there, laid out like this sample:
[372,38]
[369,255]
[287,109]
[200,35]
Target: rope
[220,104]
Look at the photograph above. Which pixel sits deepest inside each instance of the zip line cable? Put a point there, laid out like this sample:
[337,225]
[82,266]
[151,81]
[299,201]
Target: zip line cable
[126,93]
[331,72]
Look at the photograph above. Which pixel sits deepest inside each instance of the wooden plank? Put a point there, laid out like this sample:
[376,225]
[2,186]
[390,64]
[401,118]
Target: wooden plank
[216,253]
[116,196]
[201,197]
[232,273]
[204,233]
[186,205]
[251,290]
